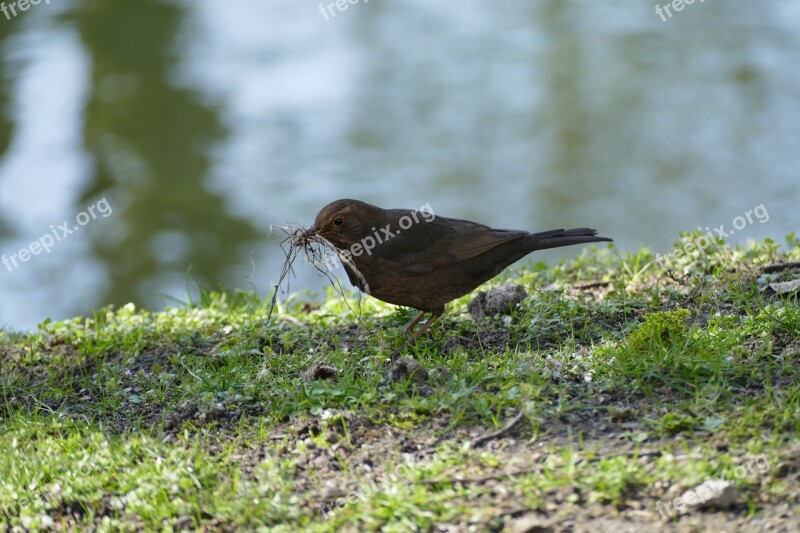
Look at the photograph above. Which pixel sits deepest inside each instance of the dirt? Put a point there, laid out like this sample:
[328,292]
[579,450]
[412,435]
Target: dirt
[365,447]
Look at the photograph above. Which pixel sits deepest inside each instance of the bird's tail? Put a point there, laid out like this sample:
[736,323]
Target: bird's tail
[564,237]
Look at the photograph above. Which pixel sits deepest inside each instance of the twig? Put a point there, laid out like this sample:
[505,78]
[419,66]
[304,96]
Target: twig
[779,267]
[479,441]
[198,378]
[637,454]
[482,479]
[582,285]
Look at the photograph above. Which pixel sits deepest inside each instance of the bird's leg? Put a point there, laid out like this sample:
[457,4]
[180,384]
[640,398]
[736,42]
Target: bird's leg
[408,329]
[436,313]
[410,326]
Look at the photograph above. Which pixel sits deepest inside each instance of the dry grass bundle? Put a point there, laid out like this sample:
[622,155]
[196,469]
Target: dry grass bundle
[317,251]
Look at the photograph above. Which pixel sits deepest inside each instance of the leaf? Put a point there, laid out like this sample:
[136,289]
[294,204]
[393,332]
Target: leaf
[785,287]
[713,423]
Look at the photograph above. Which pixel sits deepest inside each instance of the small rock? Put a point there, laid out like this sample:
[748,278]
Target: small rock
[319,371]
[320,463]
[713,494]
[500,300]
[332,490]
[785,287]
[404,368]
[441,375]
[530,523]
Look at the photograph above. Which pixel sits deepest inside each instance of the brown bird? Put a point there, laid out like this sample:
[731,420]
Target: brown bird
[416,258]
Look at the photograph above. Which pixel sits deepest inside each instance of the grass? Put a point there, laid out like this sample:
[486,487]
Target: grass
[636,384]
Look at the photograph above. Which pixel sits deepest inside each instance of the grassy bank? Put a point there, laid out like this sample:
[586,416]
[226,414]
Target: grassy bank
[631,384]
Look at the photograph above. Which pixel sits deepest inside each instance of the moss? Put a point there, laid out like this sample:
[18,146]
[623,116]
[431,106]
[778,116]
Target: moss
[660,329]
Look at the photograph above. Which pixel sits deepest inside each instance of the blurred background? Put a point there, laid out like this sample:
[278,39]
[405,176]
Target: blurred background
[202,122]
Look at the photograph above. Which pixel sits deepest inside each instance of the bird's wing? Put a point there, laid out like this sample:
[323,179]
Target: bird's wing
[428,245]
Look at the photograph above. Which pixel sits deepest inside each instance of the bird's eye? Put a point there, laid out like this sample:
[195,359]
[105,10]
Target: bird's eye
[338,221]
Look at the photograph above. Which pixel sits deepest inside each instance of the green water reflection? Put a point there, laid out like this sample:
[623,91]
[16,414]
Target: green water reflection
[150,142]
[204,122]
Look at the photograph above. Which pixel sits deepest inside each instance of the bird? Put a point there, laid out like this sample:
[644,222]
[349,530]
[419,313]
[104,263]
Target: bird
[415,258]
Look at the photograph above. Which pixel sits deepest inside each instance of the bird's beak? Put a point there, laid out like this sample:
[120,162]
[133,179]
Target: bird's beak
[309,234]
[302,237]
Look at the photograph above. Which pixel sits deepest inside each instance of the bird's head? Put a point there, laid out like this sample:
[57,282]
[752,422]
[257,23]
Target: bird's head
[345,222]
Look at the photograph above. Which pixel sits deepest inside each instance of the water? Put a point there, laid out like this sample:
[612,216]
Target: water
[201,123]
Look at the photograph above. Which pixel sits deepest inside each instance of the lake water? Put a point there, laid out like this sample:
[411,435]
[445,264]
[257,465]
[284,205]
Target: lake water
[188,128]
